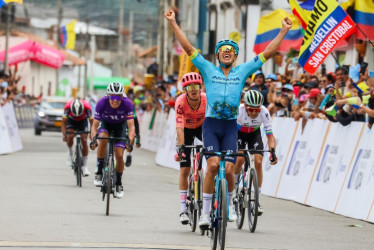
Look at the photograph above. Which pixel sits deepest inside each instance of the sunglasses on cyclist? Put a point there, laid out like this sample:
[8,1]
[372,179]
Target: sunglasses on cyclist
[227,48]
[115,98]
[193,87]
[253,110]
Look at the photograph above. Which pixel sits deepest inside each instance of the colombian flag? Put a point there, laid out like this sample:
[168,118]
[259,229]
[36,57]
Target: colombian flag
[3,2]
[269,27]
[68,35]
[364,18]
[302,11]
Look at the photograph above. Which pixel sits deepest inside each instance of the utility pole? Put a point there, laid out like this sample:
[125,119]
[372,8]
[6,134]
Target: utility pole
[120,64]
[6,67]
[160,38]
[129,54]
[86,57]
[58,41]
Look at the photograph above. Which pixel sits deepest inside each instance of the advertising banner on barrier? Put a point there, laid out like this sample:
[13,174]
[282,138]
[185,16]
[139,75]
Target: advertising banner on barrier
[302,159]
[357,192]
[371,213]
[334,165]
[5,144]
[145,132]
[283,130]
[166,148]
[10,119]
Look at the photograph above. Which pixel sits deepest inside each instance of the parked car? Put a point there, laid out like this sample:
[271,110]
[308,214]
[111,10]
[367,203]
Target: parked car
[49,116]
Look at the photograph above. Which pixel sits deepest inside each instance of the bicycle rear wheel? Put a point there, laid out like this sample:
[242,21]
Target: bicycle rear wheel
[222,213]
[109,183]
[252,200]
[239,200]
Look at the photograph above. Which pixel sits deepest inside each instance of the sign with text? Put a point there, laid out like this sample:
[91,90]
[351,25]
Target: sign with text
[328,25]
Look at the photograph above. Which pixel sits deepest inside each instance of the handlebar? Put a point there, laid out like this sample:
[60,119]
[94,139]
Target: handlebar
[126,139]
[77,132]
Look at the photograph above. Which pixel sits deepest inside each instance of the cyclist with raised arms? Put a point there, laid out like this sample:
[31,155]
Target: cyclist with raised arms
[189,118]
[76,115]
[223,86]
[114,112]
[251,115]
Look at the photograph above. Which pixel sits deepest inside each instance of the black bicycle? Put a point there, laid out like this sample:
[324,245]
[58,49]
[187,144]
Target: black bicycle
[77,157]
[247,195]
[109,175]
[195,185]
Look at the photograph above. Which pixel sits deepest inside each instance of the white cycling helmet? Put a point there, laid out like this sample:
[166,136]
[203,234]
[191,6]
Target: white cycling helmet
[253,98]
[76,107]
[115,88]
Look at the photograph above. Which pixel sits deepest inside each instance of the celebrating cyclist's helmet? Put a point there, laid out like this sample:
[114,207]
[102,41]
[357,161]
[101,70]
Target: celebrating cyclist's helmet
[115,88]
[227,42]
[191,78]
[76,107]
[253,98]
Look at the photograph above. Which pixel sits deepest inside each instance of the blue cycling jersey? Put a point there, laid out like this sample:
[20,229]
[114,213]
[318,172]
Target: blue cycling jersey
[223,93]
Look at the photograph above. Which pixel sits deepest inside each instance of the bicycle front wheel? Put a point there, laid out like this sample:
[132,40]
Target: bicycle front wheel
[192,212]
[213,232]
[79,162]
[239,200]
[108,183]
[222,213]
[252,200]
[200,181]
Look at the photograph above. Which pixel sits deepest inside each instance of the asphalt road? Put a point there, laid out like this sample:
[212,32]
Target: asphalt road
[42,208]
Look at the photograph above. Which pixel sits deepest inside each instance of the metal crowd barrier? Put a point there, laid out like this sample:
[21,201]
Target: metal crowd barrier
[25,115]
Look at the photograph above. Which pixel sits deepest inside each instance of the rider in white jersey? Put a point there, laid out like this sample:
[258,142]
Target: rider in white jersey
[251,115]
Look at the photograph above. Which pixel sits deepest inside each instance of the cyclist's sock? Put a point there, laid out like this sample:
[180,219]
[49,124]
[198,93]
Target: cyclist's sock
[236,178]
[70,150]
[100,165]
[119,179]
[128,153]
[183,197]
[207,200]
[84,160]
[231,194]
[259,190]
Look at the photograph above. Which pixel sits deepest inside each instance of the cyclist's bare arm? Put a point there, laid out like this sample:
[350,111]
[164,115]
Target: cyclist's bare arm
[273,46]
[131,126]
[271,142]
[94,127]
[91,121]
[272,145]
[180,136]
[181,37]
[63,127]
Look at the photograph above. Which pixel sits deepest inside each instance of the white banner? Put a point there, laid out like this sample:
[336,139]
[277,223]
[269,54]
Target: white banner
[5,144]
[357,195]
[283,130]
[334,165]
[11,121]
[296,177]
[166,150]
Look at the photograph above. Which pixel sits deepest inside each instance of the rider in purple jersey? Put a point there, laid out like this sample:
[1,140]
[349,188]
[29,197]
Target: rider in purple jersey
[114,113]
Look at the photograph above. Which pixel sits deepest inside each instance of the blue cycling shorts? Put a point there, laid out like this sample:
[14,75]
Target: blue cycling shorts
[219,135]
